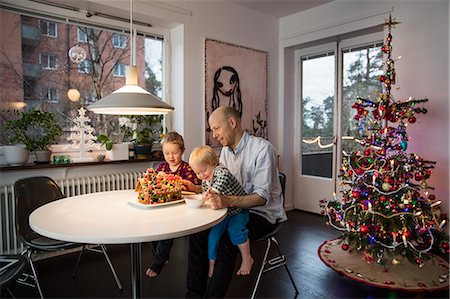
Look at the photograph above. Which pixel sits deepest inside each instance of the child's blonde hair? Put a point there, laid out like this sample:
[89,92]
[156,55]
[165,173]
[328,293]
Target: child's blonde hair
[173,137]
[204,155]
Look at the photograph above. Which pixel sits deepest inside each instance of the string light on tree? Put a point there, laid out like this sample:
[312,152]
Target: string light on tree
[386,208]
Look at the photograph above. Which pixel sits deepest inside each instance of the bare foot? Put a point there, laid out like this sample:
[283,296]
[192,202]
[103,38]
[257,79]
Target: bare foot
[211,268]
[246,266]
[150,273]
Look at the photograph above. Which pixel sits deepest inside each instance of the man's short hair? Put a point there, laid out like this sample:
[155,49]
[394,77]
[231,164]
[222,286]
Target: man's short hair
[229,111]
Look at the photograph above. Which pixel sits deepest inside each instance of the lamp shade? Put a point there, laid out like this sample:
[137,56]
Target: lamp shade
[130,99]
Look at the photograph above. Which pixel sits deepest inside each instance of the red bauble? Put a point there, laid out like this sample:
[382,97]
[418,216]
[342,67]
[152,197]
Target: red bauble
[359,171]
[356,194]
[344,247]
[445,245]
[363,229]
[382,198]
[418,176]
[431,197]
[412,119]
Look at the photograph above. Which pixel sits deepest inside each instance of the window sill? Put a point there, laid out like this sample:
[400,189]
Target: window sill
[6,167]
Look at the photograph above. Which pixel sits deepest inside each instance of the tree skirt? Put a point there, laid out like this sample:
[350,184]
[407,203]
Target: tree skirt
[433,276]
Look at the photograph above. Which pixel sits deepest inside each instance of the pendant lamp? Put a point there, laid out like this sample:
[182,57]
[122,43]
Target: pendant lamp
[131,99]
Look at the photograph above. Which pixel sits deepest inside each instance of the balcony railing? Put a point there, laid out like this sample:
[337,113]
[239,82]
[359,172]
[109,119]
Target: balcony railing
[32,71]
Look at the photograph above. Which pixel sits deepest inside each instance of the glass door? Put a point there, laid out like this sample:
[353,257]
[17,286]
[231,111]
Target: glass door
[315,153]
[327,85]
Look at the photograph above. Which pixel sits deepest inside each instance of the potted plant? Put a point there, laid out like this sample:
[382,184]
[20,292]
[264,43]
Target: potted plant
[146,130]
[115,151]
[37,130]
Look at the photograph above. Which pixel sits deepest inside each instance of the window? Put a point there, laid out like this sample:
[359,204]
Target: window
[51,95]
[94,78]
[48,61]
[119,41]
[85,67]
[119,70]
[82,36]
[48,28]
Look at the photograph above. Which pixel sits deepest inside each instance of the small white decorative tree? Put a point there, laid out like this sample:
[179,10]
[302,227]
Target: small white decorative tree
[82,137]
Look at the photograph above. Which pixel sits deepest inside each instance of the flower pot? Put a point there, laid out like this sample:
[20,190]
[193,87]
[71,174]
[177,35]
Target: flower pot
[42,156]
[142,151]
[118,152]
[15,155]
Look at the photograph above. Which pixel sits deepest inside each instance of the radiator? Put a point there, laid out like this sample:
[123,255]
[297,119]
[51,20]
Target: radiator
[9,242]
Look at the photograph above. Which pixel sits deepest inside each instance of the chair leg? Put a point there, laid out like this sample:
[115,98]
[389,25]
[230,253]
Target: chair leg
[255,288]
[119,285]
[33,270]
[78,261]
[285,265]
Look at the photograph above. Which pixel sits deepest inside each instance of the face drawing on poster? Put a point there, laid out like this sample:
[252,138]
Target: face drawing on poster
[226,87]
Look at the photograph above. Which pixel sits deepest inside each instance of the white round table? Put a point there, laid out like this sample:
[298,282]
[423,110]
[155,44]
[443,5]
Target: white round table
[116,217]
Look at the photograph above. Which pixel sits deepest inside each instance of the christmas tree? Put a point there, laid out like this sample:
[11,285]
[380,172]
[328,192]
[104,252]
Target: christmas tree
[386,209]
[81,136]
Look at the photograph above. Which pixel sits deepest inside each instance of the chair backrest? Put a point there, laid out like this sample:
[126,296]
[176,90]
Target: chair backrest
[282,178]
[30,194]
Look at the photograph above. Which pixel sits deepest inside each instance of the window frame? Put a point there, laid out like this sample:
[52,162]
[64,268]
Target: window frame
[48,61]
[121,67]
[79,35]
[48,95]
[47,26]
[84,67]
[119,40]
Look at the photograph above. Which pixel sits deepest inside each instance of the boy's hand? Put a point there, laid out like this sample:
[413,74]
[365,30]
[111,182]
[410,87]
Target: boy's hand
[189,186]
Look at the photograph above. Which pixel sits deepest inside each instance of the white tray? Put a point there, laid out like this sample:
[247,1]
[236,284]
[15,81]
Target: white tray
[136,203]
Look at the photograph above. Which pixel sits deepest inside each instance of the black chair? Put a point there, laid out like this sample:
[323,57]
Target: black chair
[30,194]
[280,259]
[11,267]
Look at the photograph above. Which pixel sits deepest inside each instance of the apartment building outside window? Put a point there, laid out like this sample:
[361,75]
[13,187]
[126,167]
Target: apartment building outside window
[48,73]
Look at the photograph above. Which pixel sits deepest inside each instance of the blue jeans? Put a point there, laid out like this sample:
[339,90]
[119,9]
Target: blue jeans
[236,226]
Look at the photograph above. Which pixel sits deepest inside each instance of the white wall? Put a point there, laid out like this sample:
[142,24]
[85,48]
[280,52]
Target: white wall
[225,21]
[422,39]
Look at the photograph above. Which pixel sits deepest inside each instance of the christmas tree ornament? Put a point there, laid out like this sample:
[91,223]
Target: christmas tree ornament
[81,136]
[77,54]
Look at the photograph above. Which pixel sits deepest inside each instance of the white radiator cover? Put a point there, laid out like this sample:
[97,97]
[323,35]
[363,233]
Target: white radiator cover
[9,242]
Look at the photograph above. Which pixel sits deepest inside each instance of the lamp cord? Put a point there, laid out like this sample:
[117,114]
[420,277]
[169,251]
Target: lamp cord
[132,40]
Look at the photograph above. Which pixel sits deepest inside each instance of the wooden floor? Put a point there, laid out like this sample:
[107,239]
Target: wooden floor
[299,238]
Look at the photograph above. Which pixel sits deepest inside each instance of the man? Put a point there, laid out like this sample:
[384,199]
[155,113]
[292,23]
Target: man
[252,160]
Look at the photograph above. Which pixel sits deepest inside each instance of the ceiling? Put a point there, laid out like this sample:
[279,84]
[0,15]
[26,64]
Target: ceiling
[280,8]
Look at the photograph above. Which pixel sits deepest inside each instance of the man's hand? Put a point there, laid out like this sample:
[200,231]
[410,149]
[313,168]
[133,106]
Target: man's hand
[216,201]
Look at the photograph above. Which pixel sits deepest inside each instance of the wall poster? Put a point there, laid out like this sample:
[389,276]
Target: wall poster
[236,76]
